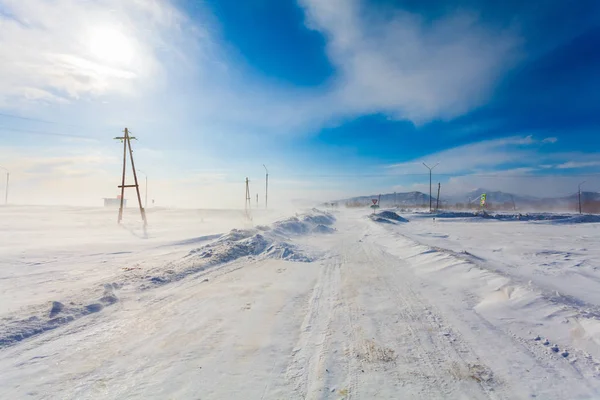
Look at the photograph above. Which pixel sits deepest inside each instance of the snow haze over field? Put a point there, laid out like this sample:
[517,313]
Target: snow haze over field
[302,303]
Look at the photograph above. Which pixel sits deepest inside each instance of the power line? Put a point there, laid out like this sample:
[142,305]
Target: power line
[32,119]
[45,121]
[44,133]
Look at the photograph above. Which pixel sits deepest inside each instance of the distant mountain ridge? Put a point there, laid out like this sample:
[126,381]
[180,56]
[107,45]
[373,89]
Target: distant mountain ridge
[391,199]
[494,198]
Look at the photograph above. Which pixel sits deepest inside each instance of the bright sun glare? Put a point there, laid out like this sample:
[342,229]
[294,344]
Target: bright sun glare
[111,46]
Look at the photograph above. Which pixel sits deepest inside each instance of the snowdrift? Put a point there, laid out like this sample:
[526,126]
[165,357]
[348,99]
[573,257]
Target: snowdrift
[262,242]
[579,219]
[387,217]
[543,320]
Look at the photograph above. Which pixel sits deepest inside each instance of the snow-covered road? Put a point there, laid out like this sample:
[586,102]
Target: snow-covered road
[365,312]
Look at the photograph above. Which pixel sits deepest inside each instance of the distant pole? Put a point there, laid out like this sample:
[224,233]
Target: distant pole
[430,198]
[256,200]
[579,191]
[266,188]
[437,206]
[6,188]
[247,204]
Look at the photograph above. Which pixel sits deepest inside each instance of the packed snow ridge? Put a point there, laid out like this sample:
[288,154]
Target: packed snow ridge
[542,217]
[388,217]
[262,242]
[266,242]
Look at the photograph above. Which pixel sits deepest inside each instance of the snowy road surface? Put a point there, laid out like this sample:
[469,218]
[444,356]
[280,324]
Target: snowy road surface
[370,311]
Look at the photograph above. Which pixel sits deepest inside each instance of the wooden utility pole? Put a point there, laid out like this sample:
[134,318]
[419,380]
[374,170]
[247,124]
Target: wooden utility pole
[247,204]
[437,206]
[126,140]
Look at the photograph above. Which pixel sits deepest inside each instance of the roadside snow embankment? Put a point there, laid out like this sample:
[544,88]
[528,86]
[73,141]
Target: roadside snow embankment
[553,327]
[523,217]
[262,242]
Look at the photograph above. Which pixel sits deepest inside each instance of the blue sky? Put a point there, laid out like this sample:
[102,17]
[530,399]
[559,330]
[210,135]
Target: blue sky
[336,97]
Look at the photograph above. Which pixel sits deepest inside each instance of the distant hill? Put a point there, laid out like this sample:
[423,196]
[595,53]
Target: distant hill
[495,199]
[390,199]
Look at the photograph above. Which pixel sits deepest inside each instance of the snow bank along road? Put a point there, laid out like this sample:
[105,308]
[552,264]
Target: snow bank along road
[314,306]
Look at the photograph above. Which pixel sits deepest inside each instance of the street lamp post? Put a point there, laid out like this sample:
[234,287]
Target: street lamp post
[579,193]
[6,188]
[430,169]
[146,189]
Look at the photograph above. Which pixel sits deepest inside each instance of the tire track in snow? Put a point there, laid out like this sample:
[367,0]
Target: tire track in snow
[306,370]
[390,343]
[351,313]
[461,371]
[406,339]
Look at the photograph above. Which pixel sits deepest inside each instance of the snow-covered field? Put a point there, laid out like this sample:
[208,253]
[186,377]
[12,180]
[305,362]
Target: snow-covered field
[296,304]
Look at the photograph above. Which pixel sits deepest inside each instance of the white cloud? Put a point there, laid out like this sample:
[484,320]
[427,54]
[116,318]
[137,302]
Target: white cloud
[578,164]
[480,156]
[550,140]
[526,140]
[398,63]
[57,51]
